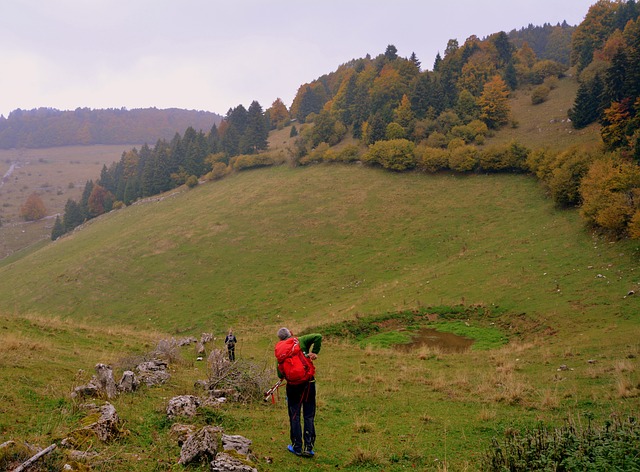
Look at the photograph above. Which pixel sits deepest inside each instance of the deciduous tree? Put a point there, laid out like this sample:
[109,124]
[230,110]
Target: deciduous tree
[494,103]
[33,208]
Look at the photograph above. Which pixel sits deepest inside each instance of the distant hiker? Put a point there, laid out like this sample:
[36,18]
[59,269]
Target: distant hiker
[295,356]
[231,341]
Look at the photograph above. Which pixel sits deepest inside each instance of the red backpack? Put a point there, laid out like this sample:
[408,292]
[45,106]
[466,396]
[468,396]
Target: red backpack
[292,362]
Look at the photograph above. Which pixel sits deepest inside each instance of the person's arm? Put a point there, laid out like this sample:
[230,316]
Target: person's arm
[311,344]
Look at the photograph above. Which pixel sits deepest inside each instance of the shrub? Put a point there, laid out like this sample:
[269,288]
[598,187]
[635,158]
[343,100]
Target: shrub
[463,158]
[396,154]
[437,140]
[432,159]
[192,181]
[564,180]
[547,68]
[350,153]
[246,161]
[318,154]
[610,191]
[395,131]
[573,447]
[511,158]
[540,94]
[218,171]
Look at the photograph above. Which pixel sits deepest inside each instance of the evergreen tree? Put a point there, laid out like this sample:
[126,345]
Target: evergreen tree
[73,216]
[587,107]
[504,47]
[391,53]
[510,76]
[84,200]
[436,62]
[58,229]
[414,59]
[616,77]
[213,139]
[257,132]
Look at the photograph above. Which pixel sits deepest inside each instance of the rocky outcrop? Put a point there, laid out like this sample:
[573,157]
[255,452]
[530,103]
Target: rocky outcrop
[183,405]
[153,372]
[201,445]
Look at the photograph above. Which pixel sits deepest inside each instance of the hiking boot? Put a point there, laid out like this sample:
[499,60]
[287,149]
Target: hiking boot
[308,453]
[293,451]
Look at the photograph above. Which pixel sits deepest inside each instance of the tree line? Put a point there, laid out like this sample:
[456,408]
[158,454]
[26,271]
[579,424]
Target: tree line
[405,118]
[48,127]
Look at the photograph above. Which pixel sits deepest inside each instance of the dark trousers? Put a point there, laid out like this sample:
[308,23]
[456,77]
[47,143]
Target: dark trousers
[302,397]
[232,353]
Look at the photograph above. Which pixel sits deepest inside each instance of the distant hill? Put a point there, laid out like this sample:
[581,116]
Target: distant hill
[48,127]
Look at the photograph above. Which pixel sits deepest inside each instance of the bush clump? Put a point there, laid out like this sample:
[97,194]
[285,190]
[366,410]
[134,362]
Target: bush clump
[573,447]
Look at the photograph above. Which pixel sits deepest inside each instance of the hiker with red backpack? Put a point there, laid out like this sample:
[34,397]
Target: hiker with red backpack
[295,358]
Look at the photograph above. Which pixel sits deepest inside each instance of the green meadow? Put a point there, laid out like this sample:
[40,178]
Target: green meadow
[316,249]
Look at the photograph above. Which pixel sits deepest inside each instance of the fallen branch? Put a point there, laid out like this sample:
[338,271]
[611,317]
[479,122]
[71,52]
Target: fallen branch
[28,463]
[6,444]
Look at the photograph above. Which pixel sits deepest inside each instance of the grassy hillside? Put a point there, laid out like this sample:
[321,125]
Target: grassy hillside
[307,247]
[546,125]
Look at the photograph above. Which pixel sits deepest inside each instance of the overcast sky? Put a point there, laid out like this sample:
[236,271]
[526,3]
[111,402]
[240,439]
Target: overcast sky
[213,55]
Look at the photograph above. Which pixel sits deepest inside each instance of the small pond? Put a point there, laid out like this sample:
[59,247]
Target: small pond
[447,342]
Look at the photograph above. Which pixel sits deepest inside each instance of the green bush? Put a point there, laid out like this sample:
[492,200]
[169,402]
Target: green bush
[510,158]
[573,447]
[540,94]
[432,159]
[463,158]
[192,181]
[437,140]
[250,161]
[396,154]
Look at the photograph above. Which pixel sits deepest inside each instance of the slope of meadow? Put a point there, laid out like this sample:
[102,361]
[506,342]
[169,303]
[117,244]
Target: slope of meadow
[307,247]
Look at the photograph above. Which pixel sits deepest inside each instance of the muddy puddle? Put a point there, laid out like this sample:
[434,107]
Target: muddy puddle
[446,342]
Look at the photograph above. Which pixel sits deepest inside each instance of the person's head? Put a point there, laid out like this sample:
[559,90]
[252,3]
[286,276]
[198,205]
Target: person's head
[284,333]
[230,331]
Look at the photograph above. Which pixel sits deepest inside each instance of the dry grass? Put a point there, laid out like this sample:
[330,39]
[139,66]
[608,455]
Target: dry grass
[366,458]
[16,343]
[549,399]
[363,427]
[487,414]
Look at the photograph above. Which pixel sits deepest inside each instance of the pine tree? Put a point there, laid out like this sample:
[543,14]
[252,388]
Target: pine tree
[587,107]
[73,216]
[58,229]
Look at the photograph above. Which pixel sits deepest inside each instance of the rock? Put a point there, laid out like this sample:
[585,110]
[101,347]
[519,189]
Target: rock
[180,432]
[106,427]
[88,390]
[201,445]
[227,463]
[592,361]
[200,350]
[563,367]
[206,338]
[129,382]
[187,341]
[153,372]
[201,384]
[183,405]
[237,443]
[104,380]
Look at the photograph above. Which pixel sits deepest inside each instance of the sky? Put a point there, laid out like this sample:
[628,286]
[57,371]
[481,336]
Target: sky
[215,55]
